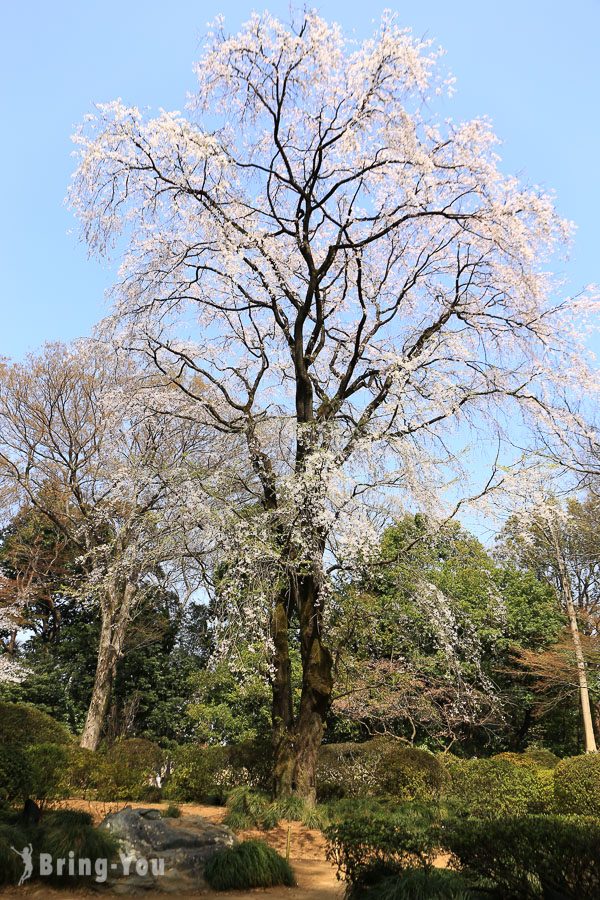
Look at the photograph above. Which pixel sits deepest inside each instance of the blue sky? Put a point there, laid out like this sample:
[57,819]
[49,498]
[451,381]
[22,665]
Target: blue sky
[533,67]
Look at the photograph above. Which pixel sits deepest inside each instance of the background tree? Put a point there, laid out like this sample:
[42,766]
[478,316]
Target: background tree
[97,470]
[355,289]
[560,543]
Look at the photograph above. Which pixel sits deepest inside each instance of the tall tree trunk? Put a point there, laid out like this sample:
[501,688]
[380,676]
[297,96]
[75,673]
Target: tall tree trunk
[584,692]
[282,708]
[297,742]
[116,613]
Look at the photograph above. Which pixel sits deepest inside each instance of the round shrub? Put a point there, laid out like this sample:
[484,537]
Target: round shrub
[410,774]
[489,788]
[23,724]
[251,864]
[534,759]
[15,775]
[577,785]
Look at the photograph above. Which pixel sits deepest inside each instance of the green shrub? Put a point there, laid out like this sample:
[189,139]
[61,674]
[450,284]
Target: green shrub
[577,785]
[48,764]
[415,884]
[22,724]
[367,846]
[378,767]
[171,812]
[15,775]
[247,809]
[530,857]
[205,774]
[251,864]
[533,759]
[491,788]
[411,774]
[88,775]
[58,833]
[10,864]
[134,767]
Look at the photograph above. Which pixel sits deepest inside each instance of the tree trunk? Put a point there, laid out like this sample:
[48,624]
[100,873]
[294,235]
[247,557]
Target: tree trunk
[297,743]
[282,709]
[584,692]
[115,618]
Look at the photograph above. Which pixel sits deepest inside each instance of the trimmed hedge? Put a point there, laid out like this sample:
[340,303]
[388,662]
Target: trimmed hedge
[530,857]
[15,775]
[371,844]
[577,785]
[491,788]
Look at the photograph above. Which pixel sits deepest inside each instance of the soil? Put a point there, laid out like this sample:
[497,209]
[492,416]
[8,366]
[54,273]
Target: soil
[316,877]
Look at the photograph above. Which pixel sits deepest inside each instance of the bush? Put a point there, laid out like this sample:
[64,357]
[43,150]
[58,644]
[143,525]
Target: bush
[369,845]
[491,788]
[411,774]
[135,766]
[531,857]
[533,759]
[577,785]
[22,724]
[88,775]
[15,775]
[378,767]
[201,774]
[58,833]
[247,809]
[415,884]
[48,764]
[10,864]
[251,864]
[171,812]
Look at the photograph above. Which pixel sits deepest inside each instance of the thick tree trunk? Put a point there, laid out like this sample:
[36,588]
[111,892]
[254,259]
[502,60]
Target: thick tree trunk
[282,709]
[297,741]
[115,618]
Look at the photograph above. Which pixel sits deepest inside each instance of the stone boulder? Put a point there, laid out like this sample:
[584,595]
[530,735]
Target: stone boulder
[174,850]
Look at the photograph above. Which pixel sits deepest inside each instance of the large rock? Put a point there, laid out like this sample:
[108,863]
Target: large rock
[183,846]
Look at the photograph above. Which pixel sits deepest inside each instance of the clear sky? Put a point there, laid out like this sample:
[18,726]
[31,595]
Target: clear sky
[533,66]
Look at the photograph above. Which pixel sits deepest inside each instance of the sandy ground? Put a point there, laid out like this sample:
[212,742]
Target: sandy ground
[316,877]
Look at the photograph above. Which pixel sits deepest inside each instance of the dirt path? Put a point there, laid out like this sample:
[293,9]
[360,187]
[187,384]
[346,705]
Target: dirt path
[315,876]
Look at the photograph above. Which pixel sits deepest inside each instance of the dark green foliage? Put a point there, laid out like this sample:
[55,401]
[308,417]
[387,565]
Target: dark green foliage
[531,857]
[490,788]
[48,764]
[415,884]
[59,832]
[11,835]
[251,864]
[65,830]
[577,785]
[171,812]
[22,724]
[15,775]
[367,845]
[248,809]
[88,775]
